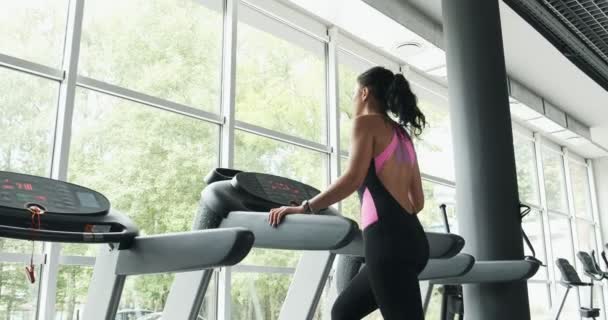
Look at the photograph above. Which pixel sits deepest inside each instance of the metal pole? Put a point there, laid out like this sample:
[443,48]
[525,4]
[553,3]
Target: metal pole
[487,196]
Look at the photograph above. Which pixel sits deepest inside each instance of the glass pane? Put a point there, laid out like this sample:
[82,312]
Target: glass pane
[18,298]
[538,295]
[527,177]
[581,190]
[434,148]
[555,181]
[79,249]
[166,48]
[376,315]
[281,81]
[150,163]
[72,288]
[598,299]
[28,107]
[256,153]
[258,296]
[351,206]
[34,30]
[434,309]
[533,227]
[431,216]
[144,297]
[586,237]
[561,240]
[259,154]
[348,69]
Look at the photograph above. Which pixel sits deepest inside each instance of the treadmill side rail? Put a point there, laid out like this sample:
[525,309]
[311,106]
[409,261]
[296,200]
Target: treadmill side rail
[442,245]
[495,271]
[186,251]
[179,252]
[452,267]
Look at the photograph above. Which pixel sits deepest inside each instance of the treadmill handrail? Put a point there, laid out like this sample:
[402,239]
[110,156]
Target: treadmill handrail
[185,251]
[495,271]
[66,236]
[296,232]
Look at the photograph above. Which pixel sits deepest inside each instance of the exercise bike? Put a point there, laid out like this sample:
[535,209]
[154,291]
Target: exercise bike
[570,279]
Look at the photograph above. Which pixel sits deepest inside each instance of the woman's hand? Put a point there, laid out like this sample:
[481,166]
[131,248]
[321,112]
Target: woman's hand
[277,214]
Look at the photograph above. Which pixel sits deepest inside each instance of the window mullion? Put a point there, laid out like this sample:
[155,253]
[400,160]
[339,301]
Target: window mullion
[227,133]
[545,216]
[573,221]
[333,105]
[61,150]
[599,237]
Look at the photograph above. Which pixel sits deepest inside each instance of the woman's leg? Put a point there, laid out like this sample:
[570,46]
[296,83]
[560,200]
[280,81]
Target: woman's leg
[356,301]
[397,292]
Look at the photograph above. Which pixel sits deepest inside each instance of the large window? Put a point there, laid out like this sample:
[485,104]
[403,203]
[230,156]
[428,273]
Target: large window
[28,106]
[34,30]
[349,68]
[555,181]
[255,153]
[527,175]
[581,190]
[434,147]
[150,71]
[149,163]
[280,83]
[170,49]
[258,296]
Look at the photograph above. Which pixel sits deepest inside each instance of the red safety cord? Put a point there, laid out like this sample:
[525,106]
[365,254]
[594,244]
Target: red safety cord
[37,212]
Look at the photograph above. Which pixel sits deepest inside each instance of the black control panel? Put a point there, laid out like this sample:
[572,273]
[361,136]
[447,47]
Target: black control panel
[17,191]
[274,189]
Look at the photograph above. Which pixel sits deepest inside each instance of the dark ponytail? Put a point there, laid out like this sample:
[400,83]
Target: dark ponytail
[394,93]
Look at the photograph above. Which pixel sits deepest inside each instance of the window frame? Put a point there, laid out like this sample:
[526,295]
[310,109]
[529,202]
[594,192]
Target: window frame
[306,30]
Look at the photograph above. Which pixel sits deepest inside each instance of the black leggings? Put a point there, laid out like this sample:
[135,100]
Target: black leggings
[396,251]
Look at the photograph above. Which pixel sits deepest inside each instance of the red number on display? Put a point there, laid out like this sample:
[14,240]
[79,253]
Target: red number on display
[24,186]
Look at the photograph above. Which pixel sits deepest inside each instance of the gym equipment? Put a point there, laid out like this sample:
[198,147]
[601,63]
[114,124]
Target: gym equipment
[570,279]
[41,209]
[68,212]
[591,266]
[481,272]
[237,198]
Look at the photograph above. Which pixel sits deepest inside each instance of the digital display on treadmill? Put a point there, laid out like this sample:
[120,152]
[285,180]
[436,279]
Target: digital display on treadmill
[282,191]
[20,190]
[87,199]
[284,187]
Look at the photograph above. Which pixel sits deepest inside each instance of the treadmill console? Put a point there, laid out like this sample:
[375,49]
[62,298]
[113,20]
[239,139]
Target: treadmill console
[275,189]
[57,197]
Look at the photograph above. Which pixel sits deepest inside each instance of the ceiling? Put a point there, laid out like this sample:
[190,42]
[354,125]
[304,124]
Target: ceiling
[532,60]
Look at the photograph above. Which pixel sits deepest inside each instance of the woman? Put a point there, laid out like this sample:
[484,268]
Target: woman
[384,170]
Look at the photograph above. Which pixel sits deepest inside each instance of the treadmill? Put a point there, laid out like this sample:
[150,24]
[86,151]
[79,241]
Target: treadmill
[490,271]
[235,198]
[40,209]
[451,272]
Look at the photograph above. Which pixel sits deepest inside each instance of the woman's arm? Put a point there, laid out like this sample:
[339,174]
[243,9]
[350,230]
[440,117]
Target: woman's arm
[416,194]
[361,156]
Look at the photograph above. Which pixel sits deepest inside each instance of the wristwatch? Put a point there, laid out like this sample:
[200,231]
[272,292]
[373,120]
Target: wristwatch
[307,207]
